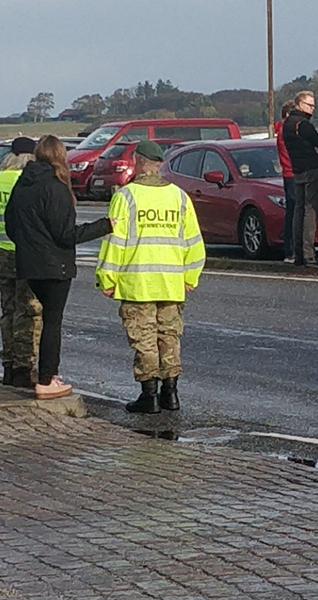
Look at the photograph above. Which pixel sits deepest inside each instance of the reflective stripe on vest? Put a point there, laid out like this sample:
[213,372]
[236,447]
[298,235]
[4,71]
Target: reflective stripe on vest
[150,268]
[153,240]
[8,180]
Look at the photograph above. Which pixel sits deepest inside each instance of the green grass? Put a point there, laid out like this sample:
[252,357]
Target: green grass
[63,128]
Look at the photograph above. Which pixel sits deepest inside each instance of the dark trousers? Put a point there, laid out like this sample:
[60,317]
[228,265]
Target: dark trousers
[289,187]
[305,214]
[52,293]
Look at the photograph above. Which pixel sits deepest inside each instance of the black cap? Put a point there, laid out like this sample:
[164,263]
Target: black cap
[150,150]
[23,145]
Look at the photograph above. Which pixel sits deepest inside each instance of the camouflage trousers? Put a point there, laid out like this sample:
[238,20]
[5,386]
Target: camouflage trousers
[154,330]
[21,320]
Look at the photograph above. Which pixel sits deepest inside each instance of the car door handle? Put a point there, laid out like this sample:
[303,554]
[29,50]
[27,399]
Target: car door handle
[198,193]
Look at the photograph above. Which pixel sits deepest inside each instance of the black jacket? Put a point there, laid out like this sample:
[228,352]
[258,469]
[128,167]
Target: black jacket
[40,220]
[301,140]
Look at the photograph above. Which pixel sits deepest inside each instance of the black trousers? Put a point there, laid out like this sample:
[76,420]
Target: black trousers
[305,214]
[52,293]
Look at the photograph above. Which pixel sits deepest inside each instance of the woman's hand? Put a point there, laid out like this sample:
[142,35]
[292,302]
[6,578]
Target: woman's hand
[109,293]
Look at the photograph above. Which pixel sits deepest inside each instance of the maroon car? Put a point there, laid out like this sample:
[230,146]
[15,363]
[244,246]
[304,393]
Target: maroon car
[116,167]
[237,190]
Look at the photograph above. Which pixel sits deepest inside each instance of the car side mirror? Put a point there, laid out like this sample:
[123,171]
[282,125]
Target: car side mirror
[215,177]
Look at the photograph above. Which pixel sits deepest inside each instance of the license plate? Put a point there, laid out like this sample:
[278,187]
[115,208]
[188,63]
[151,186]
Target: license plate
[98,182]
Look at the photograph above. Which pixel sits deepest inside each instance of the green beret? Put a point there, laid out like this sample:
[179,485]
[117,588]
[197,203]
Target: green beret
[150,150]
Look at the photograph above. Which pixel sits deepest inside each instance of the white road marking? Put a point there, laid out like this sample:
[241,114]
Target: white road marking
[282,277]
[285,436]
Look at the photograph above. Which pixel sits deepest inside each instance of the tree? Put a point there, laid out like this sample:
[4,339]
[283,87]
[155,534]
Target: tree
[91,105]
[144,90]
[165,87]
[41,105]
[120,101]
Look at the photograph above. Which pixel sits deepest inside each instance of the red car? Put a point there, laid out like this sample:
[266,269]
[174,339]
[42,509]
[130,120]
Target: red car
[237,190]
[82,159]
[116,167]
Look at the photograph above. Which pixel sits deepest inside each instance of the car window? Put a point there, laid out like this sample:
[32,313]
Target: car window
[214,133]
[4,150]
[174,163]
[140,133]
[214,162]
[190,163]
[257,163]
[192,133]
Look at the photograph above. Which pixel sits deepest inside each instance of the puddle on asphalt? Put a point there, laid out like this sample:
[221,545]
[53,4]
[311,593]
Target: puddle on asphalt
[306,454]
[193,436]
[234,433]
[308,462]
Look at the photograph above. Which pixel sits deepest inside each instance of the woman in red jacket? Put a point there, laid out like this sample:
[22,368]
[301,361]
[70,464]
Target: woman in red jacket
[289,186]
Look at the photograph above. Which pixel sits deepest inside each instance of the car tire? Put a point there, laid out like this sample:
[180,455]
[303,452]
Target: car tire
[252,234]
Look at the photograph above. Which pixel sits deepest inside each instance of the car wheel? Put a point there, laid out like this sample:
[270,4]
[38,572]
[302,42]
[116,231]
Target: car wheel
[252,234]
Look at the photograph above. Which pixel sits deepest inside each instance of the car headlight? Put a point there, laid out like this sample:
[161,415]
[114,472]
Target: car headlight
[278,200]
[81,166]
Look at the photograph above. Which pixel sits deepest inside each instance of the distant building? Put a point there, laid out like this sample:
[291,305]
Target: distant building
[71,114]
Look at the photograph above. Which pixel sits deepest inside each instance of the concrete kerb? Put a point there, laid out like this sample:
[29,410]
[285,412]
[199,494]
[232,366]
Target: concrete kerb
[72,406]
[257,266]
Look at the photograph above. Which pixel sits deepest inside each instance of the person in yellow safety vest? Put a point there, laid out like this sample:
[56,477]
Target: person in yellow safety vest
[151,260]
[21,320]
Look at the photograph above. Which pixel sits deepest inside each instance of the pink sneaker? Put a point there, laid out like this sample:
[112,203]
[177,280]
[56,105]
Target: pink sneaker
[56,389]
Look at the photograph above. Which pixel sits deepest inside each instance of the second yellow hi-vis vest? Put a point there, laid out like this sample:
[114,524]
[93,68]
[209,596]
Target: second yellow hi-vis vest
[156,247]
[8,180]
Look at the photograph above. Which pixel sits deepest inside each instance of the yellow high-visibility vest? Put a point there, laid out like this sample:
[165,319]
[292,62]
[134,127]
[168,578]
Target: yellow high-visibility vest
[156,247]
[8,180]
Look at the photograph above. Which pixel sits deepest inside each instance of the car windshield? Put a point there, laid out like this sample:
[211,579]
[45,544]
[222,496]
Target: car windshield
[257,163]
[4,150]
[98,138]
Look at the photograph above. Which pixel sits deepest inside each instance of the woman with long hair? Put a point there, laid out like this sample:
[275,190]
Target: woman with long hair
[40,220]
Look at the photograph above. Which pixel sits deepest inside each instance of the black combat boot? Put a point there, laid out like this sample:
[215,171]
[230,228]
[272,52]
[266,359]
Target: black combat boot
[148,401]
[22,377]
[7,374]
[168,398]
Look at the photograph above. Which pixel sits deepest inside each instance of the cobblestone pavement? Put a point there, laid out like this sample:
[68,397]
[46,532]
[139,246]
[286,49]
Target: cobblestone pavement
[92,511]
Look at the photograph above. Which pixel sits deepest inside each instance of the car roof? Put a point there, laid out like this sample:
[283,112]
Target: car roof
[228,144]
[71,138]
[174,121]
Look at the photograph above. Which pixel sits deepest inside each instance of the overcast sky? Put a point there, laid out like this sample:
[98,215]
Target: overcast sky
[73,47]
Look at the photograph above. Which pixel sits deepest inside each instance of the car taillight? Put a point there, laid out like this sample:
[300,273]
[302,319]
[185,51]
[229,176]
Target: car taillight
[119,165]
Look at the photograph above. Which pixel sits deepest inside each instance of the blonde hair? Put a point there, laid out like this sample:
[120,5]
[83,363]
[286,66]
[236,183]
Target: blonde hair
[301,95]
[12,162]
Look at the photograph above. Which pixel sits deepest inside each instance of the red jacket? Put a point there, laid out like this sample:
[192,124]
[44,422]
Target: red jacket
[282,152]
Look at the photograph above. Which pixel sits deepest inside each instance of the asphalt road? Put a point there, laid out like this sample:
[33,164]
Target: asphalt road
[249,355]
[91,211]
[86,213]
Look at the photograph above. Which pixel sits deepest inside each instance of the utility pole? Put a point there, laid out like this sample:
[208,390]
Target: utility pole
[270,68]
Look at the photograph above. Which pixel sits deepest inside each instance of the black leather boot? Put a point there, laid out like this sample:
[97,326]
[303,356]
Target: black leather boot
[22,377]
[7,374]
[169,394]
[148,401]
